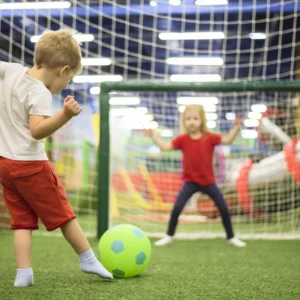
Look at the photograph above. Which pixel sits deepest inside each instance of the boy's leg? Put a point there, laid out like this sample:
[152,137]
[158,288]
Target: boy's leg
[186,192]
[75,236]
[22,245]
[45,194]
[88,261]
[23,221]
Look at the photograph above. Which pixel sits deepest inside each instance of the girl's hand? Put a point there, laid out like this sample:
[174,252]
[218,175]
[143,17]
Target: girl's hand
[148,132]
[238,121]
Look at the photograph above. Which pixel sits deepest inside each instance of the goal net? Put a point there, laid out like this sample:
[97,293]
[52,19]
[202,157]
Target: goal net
[173,41]
[258,174]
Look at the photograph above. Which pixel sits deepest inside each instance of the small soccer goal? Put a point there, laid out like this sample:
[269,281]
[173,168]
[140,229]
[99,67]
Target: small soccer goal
[259,174]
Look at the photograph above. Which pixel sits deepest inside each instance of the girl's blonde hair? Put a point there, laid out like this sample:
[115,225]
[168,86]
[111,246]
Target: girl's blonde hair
[57,49]
[200,110]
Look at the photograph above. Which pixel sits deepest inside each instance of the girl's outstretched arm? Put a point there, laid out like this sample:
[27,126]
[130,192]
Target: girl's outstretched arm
[165,146]
[228,139]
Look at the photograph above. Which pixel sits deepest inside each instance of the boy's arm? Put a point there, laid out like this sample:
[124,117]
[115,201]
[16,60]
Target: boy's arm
[228,139]
[165,146]
[41,127]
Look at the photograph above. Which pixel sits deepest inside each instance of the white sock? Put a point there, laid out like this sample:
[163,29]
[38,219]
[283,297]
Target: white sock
[24,277]
[90,264]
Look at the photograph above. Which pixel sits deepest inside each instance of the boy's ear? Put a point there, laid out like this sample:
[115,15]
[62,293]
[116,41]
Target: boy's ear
[64,70]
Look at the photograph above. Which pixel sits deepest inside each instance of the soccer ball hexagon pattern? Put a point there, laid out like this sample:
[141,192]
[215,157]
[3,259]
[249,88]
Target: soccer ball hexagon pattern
[125,250]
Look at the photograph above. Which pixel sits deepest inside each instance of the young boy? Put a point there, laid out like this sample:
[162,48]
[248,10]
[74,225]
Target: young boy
[31,188]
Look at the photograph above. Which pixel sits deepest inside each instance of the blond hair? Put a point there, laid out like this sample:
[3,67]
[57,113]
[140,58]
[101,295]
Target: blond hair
[200,110]
[57,49]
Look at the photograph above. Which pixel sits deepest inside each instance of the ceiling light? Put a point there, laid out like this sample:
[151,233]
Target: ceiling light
[191,35]
[124,101]
[211,116]
[142,110]
[153,3]
[211,2]
[249,134]
[206,107]
[230,116]
[257,36]
[254,115]
[195,77]
[101,61]
[95,90]
[195,61]
[211,124]
[258,108]
[251,123]
[80,37]
[151,125]
[167,133]
[210,108]
[117,112]
[36,5]
[175,2]
[197,100]
[96,78]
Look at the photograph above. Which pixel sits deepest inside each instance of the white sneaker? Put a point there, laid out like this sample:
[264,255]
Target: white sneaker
[236,242]
[164,241]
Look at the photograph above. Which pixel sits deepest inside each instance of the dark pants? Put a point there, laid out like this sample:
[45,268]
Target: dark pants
[188,189]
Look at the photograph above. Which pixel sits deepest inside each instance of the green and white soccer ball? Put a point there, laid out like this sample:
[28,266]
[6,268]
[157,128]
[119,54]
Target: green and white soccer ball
[125,250]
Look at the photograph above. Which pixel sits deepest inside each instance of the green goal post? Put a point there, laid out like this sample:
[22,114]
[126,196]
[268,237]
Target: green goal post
[103,179]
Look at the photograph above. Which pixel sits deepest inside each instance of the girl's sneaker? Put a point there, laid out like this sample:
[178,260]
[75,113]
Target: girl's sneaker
[236,242]
[164,241]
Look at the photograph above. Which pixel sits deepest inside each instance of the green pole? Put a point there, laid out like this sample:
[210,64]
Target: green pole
[223,86]
[85,155]
[103,163]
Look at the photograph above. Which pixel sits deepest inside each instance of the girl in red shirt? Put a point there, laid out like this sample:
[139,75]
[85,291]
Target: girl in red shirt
[197,145]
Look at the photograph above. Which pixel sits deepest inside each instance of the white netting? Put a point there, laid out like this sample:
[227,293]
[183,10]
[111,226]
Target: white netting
[254,173]
[236,40]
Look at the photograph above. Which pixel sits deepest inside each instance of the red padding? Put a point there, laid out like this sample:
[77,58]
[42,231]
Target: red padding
[243,189]
[293,164]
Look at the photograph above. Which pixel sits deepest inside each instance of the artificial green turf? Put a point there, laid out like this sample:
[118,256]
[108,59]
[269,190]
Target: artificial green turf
[186,270]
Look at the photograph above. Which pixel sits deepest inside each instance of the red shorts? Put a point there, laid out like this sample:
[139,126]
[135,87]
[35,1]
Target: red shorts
[32,190]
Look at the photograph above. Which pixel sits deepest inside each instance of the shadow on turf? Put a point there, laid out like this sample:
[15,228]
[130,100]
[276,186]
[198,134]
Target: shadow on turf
[138,277]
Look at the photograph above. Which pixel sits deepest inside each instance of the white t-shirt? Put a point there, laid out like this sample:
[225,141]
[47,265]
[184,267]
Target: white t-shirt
[20,97]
